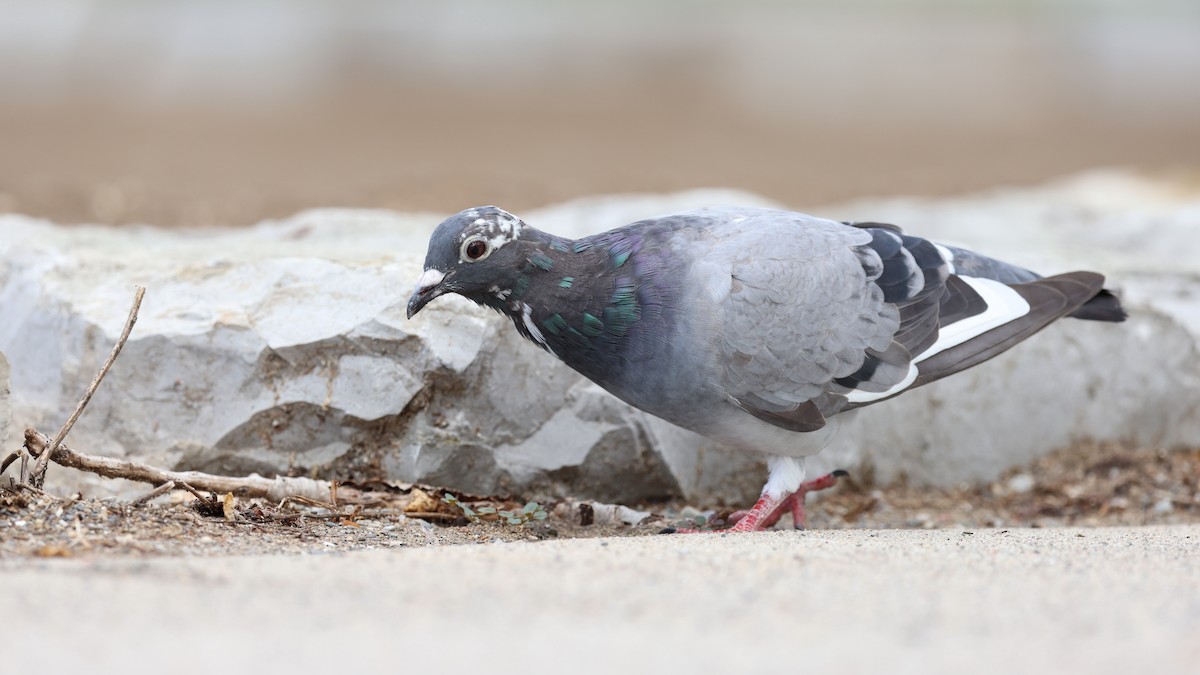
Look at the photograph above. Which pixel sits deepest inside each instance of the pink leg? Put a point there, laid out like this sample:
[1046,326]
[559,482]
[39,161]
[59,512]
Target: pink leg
[747,521]
[768,510]
[796,501]
[765,510]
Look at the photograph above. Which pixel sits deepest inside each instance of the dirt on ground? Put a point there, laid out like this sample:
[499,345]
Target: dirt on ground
[1085,485]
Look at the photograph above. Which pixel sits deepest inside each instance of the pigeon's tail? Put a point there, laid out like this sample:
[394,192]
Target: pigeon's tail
[1041,302]
[1103,306]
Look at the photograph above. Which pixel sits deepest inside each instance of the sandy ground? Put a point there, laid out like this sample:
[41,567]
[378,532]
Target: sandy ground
[865,601]
[1085,485]
[991,578]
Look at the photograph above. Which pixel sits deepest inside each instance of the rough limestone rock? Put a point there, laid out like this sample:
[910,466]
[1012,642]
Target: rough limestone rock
[8,431]
[284,348]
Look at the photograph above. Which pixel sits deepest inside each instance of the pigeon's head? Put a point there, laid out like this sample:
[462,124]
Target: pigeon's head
[469,254]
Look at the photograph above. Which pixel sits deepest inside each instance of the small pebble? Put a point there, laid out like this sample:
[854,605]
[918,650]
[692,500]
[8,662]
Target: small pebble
[1021,483]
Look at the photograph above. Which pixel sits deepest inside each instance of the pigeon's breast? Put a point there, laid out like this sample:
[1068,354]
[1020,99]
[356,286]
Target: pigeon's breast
[670,363]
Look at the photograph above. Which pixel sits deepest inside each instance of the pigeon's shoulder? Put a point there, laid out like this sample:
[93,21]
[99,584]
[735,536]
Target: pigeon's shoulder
[794,308]
[729,233]
[723,222]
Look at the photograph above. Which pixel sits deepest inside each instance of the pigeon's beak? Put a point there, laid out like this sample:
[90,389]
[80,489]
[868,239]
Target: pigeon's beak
[428,287]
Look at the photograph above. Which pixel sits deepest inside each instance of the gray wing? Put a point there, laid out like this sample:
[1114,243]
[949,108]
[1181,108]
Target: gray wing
[798,308]
[816,317]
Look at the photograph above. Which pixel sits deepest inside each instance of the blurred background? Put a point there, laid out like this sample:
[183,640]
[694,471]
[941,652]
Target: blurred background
[225,112]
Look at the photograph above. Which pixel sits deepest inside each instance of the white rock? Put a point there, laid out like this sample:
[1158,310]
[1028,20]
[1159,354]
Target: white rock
[285,347]
[1021,483]
[8,430]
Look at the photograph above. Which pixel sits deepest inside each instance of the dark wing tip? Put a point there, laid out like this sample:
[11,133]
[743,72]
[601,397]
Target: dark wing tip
[1101,304]
[1104,306]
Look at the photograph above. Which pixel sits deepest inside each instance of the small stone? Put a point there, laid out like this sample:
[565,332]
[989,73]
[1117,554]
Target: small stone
[1164,505]
[1021,483]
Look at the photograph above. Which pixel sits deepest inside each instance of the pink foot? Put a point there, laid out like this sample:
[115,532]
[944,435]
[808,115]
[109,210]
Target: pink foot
[768,510]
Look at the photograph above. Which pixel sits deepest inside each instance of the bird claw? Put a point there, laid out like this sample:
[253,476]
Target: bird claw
[767,511]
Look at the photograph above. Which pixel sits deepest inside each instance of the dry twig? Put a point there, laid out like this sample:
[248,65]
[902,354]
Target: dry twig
[12,456]
[275,489]
[38,475]
[154,494]
[300,499]
[189,488]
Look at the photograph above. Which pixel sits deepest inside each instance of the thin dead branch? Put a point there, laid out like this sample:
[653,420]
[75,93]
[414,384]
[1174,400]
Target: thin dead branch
[301,499]
[432,515]
[12,457]
[274,489]
[189,488]
[154,494]
[38,475]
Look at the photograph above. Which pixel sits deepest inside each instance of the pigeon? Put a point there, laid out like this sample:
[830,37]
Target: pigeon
[761,329]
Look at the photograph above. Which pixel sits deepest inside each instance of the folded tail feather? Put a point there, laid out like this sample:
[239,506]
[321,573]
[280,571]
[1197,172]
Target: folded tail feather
[1049,298]
[1104,306]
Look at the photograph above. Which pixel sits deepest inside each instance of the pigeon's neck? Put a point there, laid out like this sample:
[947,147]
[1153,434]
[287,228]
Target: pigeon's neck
[579,299]
[542,257]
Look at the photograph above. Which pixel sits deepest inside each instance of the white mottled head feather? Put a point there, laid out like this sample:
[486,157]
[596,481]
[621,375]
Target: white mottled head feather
[492,225]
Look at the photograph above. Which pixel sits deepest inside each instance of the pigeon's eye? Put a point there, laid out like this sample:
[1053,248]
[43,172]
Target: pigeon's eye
[475,249]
